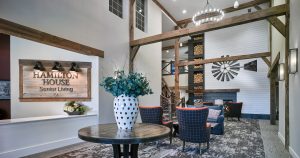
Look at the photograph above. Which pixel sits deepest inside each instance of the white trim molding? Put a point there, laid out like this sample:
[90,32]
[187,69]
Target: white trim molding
[39,148]
[281,137]
[293,153]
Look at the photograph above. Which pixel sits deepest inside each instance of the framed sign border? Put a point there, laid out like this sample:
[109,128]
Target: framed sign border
[25,62]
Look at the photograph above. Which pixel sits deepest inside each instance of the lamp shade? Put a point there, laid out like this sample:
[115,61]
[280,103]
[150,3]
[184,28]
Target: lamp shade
[293,61]
[281,72]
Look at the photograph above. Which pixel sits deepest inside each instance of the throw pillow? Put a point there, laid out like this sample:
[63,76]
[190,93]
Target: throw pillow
[213,114]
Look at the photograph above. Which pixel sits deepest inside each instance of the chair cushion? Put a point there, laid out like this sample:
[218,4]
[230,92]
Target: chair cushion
[213,114]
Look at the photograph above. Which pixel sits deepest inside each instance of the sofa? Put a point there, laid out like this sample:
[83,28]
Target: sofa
[219,129]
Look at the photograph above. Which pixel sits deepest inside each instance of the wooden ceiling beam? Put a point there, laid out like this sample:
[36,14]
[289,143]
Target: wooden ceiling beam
[229,22]
[275,22]
[166,12]
[14,29]
[230,58]
[230,9]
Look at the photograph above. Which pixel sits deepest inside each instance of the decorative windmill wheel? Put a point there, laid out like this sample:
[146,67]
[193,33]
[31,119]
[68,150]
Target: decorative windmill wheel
[226,70]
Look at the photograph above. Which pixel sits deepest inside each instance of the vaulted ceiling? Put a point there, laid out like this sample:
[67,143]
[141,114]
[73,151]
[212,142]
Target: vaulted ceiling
[176,7]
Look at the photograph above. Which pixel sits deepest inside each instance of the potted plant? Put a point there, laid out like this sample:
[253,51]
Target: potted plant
[75,108]
[126,89]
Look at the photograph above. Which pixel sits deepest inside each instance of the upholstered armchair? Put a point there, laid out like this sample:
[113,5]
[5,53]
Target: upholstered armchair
[219,129]
[154,114]
[233,110]
[193,125]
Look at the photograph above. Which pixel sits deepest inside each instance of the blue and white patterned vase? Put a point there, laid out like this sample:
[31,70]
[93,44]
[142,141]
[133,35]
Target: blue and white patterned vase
[126,110]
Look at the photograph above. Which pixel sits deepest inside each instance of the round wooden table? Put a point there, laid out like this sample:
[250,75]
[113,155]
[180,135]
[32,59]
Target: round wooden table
[110,134]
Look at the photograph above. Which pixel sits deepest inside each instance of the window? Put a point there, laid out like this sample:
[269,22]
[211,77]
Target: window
[140,14]
[116,7]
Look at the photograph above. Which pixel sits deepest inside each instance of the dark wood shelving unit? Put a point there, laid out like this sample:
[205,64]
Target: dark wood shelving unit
[196,72]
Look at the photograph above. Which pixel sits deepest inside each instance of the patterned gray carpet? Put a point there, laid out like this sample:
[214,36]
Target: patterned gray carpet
[241,140]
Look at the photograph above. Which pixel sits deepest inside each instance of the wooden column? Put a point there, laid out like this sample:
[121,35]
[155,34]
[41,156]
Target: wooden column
[131,23]
[132,54]
[132,50]
[176,46]
[286,69]
[273,97]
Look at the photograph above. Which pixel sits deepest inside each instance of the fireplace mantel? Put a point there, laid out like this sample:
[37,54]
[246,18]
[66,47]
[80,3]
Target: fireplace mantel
[214,91]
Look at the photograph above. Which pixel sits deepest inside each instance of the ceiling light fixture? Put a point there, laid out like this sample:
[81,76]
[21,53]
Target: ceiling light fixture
[236,4]
[167,51]
[183,11]
[208,14]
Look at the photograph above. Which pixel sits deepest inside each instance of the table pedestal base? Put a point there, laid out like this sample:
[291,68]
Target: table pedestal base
[133,153]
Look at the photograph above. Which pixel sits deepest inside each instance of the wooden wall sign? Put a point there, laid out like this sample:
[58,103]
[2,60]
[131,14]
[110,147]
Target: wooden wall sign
[48,85]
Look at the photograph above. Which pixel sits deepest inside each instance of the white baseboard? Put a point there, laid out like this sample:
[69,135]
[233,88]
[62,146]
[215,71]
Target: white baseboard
[39,148]
[293,153]
[281,137]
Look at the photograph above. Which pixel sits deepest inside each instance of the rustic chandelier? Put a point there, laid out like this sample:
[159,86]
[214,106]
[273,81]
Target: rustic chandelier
[208,14]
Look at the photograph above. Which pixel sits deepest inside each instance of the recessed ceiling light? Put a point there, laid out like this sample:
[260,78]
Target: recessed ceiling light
[180,44]
[183,11]
[167,51]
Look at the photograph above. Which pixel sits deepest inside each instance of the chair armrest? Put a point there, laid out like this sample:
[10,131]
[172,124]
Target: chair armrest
[220,119]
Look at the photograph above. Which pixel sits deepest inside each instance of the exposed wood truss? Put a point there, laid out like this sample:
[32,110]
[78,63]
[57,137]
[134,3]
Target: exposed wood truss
[230,9]
[165,11]
[230,58]
[229,22]
[267,61]
[274,64]
[275,22]
[14,29]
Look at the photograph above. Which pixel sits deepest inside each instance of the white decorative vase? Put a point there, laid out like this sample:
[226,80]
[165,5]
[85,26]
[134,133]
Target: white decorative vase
[126,111]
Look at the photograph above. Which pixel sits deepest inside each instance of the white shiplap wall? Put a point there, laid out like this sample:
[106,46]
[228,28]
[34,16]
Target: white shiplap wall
[243,39]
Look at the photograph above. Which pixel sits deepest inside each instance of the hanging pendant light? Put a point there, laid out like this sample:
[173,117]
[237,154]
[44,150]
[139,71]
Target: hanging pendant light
[208,14]
[236,4]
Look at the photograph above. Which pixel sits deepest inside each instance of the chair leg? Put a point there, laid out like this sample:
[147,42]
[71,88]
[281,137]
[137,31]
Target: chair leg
[207,145]
[171,135]
[200,148]
[239,118]
[183,145]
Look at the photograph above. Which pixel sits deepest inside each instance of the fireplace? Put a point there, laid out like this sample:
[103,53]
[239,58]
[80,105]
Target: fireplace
[224,94]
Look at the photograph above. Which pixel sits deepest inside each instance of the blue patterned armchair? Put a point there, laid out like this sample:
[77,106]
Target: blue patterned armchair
[154,114]
[219,129]
[193,125]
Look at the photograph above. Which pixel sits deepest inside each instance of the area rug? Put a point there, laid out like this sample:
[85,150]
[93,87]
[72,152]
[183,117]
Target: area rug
[242,139]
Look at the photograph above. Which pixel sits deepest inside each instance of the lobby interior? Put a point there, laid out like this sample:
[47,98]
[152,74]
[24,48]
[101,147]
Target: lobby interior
[55,57]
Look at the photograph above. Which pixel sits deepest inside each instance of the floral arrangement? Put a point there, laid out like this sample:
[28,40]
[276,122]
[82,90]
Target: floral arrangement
[75,108]
[132,85]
